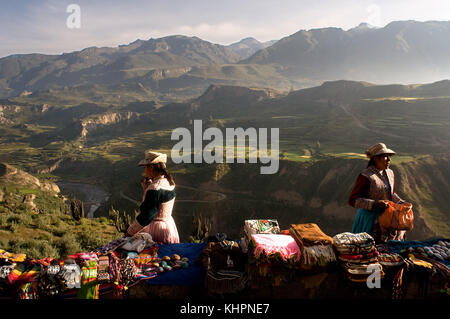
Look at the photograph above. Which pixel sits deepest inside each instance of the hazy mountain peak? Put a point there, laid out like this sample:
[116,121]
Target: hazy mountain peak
[250,40]
[248,46]
[363,26]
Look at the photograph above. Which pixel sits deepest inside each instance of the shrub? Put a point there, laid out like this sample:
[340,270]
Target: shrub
[104,220]
[23,219]
[90,240]
[60,232]
[43,222]
[13,226]
[34,249]
[3,220]
[41,249]
[4,243]
[13,219]
[68,245]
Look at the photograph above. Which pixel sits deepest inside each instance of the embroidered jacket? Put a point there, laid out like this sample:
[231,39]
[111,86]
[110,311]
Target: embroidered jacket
[371,185]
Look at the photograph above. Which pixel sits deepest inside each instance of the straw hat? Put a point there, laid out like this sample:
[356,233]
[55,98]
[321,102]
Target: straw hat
[378,149]
[153,158]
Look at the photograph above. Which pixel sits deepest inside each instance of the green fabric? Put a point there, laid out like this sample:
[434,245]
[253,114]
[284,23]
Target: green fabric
[364,221]
[89,284]
[88,291]
[149,207]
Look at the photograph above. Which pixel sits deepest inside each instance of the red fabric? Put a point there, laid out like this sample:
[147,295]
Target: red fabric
[360,190]
[359,256]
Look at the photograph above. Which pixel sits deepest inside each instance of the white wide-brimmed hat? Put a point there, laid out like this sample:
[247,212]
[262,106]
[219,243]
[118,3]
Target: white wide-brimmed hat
[378,149]
[153,158]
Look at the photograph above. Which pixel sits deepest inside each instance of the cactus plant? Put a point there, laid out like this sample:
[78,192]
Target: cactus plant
[201,228]
[77,208]
[121,220]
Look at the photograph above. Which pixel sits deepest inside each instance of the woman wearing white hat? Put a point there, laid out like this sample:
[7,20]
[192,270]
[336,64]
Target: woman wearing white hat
[155,211]
[373,187]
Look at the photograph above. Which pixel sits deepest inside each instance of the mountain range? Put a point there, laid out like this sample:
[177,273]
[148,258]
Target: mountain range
[402,51]
[180,67]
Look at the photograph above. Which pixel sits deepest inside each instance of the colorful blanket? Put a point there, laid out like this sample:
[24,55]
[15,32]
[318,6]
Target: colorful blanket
[349,239]
[269,244]
[261,226]
[360,258]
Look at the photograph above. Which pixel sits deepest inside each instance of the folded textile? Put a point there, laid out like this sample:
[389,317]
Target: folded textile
[390,259]
[268,244]
[419,262]
[349,239]
[103,275]
[260,226]
[359,257]
[111,246]
[85,256]
[366,261]
[24,273]
[138,242]
[317,255]
[309,234]
[12,256]
[346,250]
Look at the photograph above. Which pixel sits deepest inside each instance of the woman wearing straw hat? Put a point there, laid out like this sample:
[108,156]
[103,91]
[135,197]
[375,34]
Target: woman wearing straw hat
[155,216]
[373,187]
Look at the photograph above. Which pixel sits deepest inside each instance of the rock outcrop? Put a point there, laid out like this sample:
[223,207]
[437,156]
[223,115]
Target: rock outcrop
[10,174]
[93,124]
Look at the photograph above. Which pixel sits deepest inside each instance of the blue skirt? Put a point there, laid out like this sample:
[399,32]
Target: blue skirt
[364,221]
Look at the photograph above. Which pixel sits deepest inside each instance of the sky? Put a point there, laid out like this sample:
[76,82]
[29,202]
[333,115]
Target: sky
[55,27]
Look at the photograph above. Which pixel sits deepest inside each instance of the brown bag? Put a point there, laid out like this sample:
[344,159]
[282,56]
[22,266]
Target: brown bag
[397,216]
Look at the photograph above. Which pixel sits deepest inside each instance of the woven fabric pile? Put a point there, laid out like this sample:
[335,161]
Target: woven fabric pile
[436,249]
[273,259]
[358,255]
[225,264]
[114,267]
[258,226]
[433,254]
[316,247]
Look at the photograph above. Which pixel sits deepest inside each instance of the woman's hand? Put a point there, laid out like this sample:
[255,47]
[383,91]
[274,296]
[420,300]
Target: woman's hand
[380,204]
[145,181]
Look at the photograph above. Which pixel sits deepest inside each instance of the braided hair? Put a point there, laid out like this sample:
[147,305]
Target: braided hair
[161,170]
